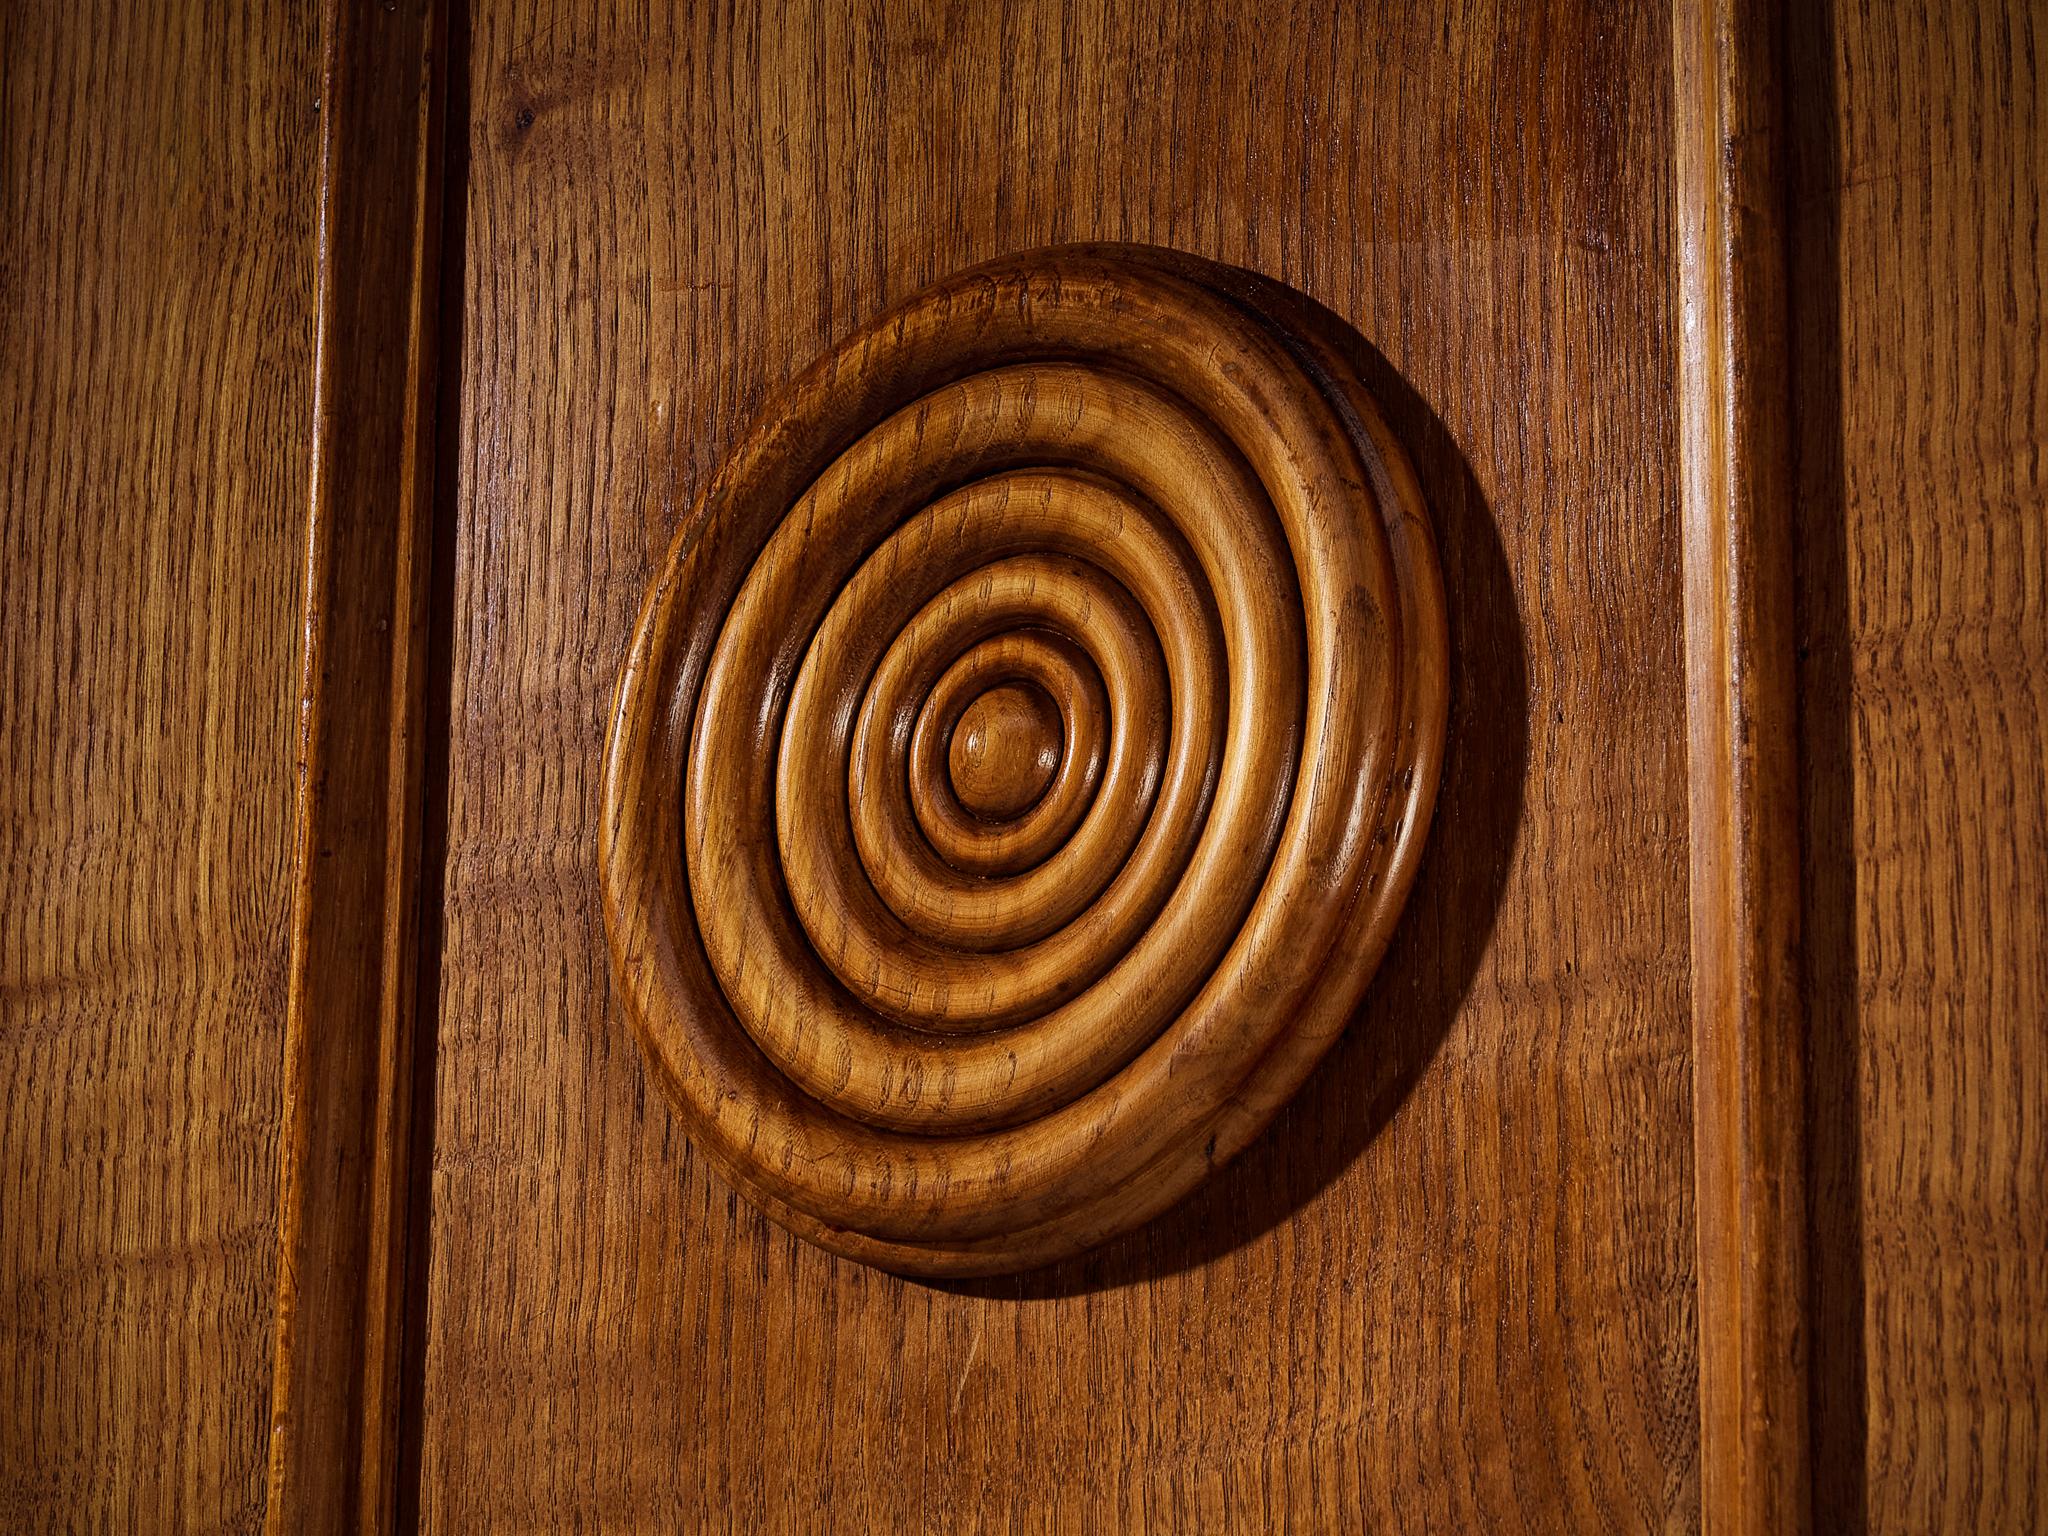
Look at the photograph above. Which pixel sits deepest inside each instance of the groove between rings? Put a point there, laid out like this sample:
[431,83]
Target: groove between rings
[1159,492]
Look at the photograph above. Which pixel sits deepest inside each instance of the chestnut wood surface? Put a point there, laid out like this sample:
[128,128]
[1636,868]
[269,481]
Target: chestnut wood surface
[1453,1284]
[1922,262]
[156,290]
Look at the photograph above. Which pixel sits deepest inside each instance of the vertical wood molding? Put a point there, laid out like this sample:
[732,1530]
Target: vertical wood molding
[348,1054]
[1736,490]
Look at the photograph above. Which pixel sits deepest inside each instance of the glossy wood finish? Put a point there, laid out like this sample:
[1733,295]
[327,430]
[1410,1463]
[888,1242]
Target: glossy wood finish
[1162,463]
[1453,1283]
[156,291]
[1735,458]
[345,1206]
[1004,751]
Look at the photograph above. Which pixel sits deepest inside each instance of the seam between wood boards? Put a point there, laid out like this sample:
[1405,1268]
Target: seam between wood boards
[345,1185]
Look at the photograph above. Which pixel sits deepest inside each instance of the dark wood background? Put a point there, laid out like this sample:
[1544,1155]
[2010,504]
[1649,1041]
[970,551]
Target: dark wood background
[1455,1286]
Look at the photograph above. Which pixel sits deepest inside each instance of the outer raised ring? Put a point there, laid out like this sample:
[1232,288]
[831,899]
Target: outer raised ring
[1160,490]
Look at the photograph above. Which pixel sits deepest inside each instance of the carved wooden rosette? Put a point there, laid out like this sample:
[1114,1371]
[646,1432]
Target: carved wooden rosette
[1023,756]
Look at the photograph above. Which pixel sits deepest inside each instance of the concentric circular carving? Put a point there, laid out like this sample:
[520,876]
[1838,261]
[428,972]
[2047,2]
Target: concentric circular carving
[1023,756]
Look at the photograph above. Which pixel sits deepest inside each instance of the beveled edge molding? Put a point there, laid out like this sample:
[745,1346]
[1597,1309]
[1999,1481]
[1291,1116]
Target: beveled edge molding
[344,1202]
[1735,453]
[1163,463]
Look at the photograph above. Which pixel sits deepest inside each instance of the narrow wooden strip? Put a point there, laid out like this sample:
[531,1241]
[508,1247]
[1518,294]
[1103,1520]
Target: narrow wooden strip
[1735,469]
[349,1034]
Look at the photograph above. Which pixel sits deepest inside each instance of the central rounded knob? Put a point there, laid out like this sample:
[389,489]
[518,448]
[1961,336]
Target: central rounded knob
[1005,750]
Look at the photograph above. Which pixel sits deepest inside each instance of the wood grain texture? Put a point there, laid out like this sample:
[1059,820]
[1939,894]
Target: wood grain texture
[344,1210]
[1453,1285]
[156,236]
[1734,380]
[1154,460]
[1924,690]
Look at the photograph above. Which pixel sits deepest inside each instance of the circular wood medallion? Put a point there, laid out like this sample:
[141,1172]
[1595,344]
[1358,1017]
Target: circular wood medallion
[1023,755]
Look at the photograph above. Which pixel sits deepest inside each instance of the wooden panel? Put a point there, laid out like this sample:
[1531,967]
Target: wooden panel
[1454,1285]
[1924,590]
[154,354]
